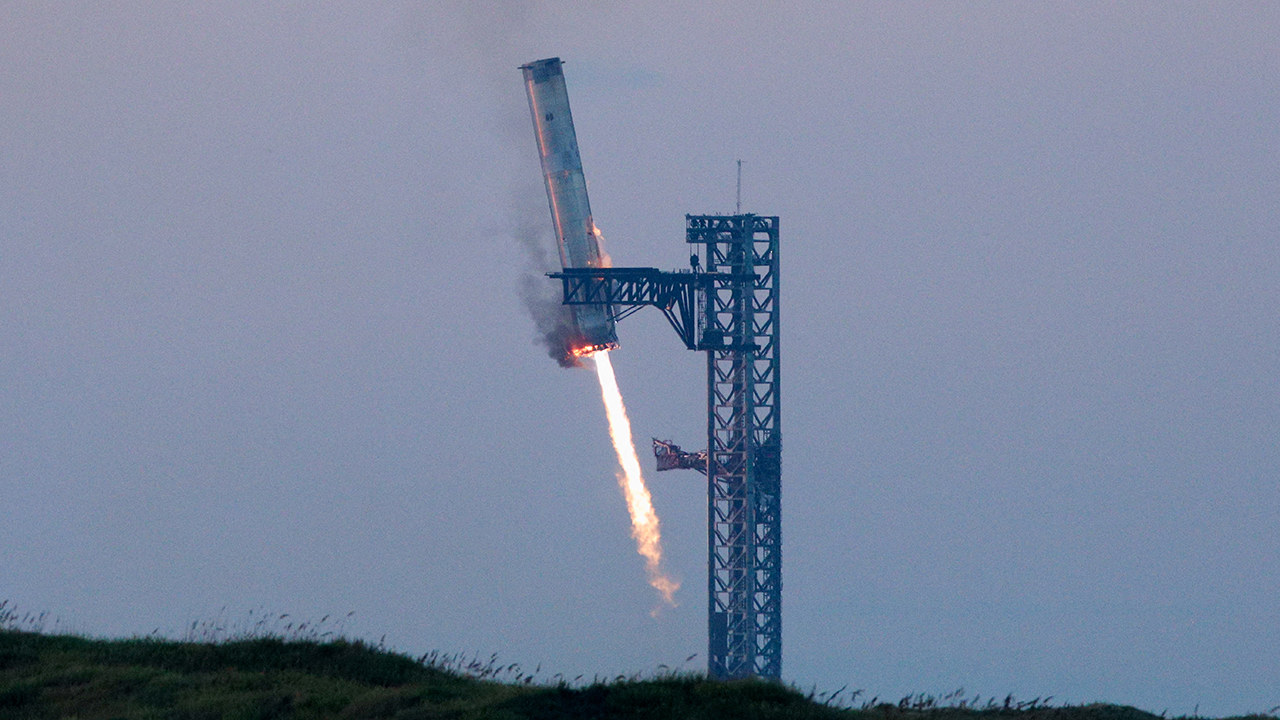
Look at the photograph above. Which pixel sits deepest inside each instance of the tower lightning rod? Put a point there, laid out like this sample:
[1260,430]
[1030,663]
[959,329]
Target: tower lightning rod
[738,208]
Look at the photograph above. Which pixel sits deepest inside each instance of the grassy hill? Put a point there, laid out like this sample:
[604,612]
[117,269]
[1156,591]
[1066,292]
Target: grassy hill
[61,676]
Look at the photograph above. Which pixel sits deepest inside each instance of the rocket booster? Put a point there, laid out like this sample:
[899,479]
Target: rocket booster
[567,194]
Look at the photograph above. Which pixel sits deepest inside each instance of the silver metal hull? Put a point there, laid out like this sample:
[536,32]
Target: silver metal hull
[567,195]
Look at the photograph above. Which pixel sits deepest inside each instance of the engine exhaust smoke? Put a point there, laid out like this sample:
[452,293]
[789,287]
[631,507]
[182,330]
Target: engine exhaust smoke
[644,521]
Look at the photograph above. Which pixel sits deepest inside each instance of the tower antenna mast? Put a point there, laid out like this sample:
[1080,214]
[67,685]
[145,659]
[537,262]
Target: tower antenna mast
[738,209]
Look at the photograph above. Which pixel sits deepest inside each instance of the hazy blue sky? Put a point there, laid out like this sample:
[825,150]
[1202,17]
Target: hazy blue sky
[262,343]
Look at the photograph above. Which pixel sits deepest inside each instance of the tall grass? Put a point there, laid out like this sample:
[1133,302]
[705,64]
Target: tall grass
[259,624]
[270,665]
[13,619]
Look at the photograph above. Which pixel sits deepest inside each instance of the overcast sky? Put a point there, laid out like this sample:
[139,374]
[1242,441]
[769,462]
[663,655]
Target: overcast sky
[262,344]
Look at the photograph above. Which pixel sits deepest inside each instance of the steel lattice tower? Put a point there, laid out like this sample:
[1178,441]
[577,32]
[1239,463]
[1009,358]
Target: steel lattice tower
[726,306]
[744,584]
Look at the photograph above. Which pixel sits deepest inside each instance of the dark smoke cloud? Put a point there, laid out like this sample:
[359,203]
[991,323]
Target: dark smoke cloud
[554,322]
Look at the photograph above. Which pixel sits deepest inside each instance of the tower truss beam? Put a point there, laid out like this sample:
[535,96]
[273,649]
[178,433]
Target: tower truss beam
[625,290]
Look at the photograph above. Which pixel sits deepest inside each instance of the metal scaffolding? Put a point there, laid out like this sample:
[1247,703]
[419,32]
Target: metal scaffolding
[727,306]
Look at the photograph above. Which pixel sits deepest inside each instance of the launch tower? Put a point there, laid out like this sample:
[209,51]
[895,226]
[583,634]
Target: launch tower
[727,307]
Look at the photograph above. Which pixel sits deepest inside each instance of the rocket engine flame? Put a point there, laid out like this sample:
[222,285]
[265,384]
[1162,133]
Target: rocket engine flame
[644,521]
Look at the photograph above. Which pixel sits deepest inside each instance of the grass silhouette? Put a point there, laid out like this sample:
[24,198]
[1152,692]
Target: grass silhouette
[281,669]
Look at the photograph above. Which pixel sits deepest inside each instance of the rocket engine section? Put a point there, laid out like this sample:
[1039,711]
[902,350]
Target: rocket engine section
[567,194]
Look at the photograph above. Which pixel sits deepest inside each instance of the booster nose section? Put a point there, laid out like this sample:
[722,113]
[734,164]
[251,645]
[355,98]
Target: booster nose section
[567,194]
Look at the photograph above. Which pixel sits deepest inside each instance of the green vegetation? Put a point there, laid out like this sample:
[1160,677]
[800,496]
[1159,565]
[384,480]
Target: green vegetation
[43,676]
[62,676]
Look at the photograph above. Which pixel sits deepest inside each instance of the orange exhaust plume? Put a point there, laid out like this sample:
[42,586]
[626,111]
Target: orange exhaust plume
[644,521]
